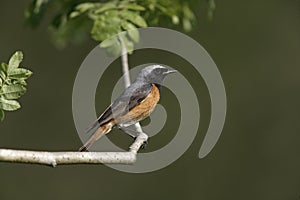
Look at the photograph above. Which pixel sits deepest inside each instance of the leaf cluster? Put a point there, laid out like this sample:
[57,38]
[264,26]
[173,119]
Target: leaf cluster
[75,19]
[111,18]
[12,83]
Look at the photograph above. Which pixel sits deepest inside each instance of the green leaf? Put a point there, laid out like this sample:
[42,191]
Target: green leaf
[187,26]
[175,19]
[131,6]
[13,91]
[9,105]
[4,67]
[211,9]
[114,50]
[128,44]
[19,82]
[83,7]
[134,35]
[106,27]
[131,30]
[2,115]
[15,60]
[163,9]
[12,83]
[134,18]
[187,12]
[2,75]
[38,5]
[108,42]
[74,14]
[35,12]
[19,73]
[105,7]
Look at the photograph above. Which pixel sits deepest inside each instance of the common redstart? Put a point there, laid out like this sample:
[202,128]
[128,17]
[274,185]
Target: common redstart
[133,105]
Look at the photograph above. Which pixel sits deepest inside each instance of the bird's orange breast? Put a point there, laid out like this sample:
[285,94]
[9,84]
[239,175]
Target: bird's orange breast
[143,109]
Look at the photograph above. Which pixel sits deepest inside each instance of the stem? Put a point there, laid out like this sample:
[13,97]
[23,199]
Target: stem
[126,75]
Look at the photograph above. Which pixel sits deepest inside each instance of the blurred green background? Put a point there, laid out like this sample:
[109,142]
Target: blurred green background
[256,46]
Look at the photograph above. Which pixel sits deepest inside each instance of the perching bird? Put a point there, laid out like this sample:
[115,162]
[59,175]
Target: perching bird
[133,105]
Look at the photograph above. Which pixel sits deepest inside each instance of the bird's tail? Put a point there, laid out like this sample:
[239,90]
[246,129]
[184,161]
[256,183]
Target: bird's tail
[101,130]
[92,127]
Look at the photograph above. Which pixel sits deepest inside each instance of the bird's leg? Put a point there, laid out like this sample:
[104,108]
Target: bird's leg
[133,133]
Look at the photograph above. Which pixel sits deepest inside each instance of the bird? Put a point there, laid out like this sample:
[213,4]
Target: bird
[133,105]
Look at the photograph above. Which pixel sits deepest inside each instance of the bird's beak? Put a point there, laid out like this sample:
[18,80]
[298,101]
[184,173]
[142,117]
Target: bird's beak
[170,71]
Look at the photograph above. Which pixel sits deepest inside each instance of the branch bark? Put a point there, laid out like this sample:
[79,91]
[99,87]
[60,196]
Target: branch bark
[63,158]
[57,158]
[60,158]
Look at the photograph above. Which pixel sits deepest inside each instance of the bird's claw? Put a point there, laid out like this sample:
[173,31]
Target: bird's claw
[144,145]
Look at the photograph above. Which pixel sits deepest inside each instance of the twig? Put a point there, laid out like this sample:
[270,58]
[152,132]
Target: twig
[124,57]
[126,75]
[60,158]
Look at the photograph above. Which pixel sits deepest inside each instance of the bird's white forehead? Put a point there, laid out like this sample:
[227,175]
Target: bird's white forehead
[152,67]
[157,66]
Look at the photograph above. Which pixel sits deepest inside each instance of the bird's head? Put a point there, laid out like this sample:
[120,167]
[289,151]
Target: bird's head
[154,74]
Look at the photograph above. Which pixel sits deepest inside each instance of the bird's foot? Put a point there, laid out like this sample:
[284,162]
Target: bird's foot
[144,145]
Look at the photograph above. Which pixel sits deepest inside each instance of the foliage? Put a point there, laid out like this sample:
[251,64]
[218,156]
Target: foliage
[211,9]
[12,83]
[75,19]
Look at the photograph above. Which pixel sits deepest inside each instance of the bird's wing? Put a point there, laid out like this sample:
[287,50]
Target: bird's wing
[131,97]
[134,97]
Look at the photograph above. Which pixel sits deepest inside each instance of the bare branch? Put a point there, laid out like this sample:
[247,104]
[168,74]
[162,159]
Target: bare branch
[56,158]
[124,57]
